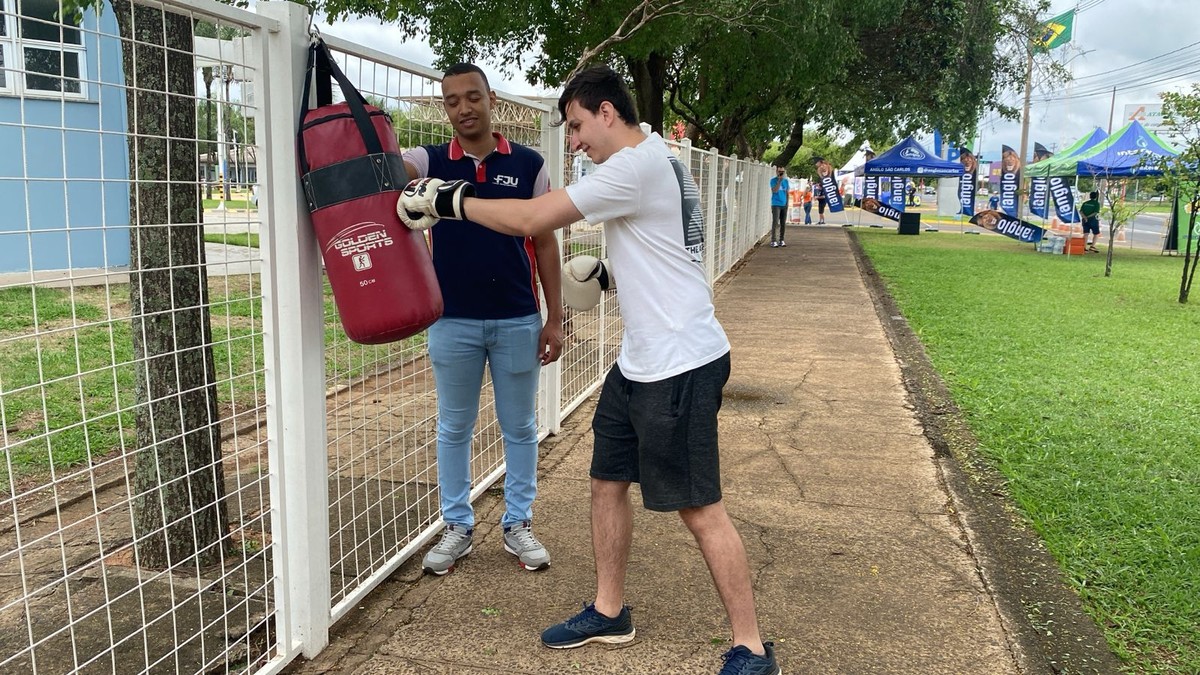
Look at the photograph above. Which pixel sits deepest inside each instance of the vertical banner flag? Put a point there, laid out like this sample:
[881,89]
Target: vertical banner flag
[966,182]
[833,198]
[1038,194]
[1010,180]
[1063,197]
[1055,33]
[870,183]
[896,200]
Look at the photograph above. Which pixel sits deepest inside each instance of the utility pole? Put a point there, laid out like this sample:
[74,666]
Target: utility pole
[1112,108]
[1025,120]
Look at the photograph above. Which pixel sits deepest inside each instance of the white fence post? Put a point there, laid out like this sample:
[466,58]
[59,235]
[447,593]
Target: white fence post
[743,215]
[550,398]
[294,321]
[710,223]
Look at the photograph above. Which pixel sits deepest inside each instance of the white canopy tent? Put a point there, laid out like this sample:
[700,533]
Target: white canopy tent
[857,160]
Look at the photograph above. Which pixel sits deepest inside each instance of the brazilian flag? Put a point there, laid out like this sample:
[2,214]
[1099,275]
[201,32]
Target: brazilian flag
[1055,33]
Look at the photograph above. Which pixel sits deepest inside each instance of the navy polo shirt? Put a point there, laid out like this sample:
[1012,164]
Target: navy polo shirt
[484,274]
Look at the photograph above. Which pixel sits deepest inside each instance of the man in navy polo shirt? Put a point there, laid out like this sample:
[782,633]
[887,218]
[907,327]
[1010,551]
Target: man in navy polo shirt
[489,285]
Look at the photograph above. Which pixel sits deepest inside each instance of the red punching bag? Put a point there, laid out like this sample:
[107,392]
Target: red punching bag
[352,174]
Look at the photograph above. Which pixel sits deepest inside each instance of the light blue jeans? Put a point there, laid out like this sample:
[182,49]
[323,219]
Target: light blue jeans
[458,349]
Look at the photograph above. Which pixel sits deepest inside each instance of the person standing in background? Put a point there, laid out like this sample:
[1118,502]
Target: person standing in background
[780,200]
[808,196]
[819,193]
[1089,212]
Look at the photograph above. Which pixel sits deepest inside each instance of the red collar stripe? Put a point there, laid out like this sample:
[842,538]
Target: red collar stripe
[502,146]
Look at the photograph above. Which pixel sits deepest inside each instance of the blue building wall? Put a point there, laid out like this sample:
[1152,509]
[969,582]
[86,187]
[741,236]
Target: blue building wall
[64,168]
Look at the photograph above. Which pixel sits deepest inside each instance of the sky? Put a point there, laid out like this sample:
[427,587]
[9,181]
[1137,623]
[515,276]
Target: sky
[1109,35]
[389,39]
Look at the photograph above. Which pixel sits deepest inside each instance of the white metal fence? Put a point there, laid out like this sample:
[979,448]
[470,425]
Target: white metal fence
[201,473]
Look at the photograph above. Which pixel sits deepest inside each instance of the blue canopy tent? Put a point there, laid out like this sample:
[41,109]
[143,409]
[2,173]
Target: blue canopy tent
[1130,152]
[908,158]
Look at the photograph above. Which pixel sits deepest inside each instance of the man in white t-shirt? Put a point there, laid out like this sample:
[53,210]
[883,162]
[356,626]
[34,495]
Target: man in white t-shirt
[656,422]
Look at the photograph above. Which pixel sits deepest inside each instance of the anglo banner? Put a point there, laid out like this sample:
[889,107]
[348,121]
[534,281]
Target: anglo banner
[1039,195]
[1063,197]
[833,198]
[873,205]
[1010,180]
[966,182]
[896,197]
[997,221]
[871,187]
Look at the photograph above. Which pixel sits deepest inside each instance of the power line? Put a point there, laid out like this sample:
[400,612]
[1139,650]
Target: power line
[1090,4]
[1132,65]
[1136,82]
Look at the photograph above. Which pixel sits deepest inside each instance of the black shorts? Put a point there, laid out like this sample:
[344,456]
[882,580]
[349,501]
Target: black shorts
[1091,225]
[662,435]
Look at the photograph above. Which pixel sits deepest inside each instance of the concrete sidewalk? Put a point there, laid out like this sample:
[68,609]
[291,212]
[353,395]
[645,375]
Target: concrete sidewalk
[860,561]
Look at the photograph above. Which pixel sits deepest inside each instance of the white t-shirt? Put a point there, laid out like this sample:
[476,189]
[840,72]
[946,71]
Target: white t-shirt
[654,227]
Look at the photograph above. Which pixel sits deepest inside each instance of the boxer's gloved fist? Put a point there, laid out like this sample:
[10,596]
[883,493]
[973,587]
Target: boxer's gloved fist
[583,279]
[424,201]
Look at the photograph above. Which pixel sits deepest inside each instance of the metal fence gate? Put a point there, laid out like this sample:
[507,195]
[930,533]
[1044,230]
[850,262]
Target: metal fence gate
[172,369]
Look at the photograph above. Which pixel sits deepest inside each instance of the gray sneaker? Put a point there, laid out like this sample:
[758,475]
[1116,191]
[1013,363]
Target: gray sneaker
[455,543]
[519,541]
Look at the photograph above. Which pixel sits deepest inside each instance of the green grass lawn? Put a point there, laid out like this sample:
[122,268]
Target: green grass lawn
[237,239]
[1084,392]
[67,379]
[241,203]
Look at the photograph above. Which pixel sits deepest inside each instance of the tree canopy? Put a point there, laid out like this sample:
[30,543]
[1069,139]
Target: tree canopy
[741,73]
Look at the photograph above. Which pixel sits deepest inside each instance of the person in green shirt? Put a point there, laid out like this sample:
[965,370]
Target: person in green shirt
[1090,212]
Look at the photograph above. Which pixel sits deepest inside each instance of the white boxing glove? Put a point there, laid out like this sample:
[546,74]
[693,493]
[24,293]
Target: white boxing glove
[424,201]
[584,278]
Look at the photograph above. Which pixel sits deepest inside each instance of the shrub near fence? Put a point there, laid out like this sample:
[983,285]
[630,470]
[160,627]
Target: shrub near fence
[283,470]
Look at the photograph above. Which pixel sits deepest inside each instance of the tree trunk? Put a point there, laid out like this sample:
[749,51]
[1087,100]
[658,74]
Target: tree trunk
[179,510]
[1185,284]
[649,86]
[794,141]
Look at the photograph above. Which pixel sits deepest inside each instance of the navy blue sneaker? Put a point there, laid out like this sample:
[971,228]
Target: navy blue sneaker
[742,661]
[590,626]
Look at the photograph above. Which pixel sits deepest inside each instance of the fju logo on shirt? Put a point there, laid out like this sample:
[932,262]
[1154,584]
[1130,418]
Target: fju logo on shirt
[506,181]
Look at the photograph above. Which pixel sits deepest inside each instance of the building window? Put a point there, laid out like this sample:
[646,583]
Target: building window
[40,53]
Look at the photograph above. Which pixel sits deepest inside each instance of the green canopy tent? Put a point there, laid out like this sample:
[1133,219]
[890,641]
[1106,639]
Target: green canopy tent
[1040,169]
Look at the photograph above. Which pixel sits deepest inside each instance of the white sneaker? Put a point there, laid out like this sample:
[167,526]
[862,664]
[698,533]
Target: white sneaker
[783,243]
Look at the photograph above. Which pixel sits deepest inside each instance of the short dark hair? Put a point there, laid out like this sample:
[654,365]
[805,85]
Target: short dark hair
[1093,195]
[594,85]
[463,69]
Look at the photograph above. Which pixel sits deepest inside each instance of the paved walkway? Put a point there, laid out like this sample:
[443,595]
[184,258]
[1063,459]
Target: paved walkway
[860,562]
